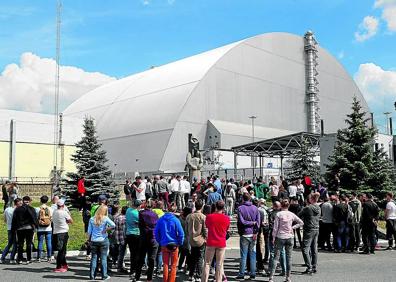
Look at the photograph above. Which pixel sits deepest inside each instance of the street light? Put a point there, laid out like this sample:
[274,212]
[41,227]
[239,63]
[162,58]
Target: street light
[253,158]
[253,118]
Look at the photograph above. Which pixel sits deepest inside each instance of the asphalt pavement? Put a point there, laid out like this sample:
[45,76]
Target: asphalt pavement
[332,267]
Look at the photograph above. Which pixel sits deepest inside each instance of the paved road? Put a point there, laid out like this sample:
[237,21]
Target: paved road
[332,267]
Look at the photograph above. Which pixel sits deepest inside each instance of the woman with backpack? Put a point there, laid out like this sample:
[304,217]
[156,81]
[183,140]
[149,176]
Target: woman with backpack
[98,227]
[44,229]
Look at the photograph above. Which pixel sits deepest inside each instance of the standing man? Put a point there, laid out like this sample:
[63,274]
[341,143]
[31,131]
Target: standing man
[186,189]
[218,224]
[340,217]
[132,233]
[390,217]
[229,196]
[213,196]
[140,189]
[128,190]
[81,191]
[148,245]
[61,220]
[44,230]
[24,221]
[197,234]
[327,227]
[163,190]
[5,194]
[248,227]
[177,190]
[356,207]
[292,189]
[169,235]
[370,213]
[12,241]
[310,215]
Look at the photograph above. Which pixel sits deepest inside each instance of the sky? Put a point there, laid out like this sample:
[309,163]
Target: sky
[106,40]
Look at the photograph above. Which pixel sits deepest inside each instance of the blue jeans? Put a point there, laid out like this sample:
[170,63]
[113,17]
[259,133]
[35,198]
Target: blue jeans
[11,243]
[101,249]
[48,242]
[247,245]
[282,256]
[282,245]
[343,235]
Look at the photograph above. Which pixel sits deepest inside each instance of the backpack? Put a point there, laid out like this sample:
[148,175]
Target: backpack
[44,219]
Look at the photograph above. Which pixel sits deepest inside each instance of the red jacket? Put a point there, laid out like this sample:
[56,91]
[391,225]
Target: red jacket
[80,187]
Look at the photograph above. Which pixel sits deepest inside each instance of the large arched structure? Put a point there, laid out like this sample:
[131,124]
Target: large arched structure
[143,120]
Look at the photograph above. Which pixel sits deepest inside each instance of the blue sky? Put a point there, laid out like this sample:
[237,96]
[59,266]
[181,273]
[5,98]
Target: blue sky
[118,38]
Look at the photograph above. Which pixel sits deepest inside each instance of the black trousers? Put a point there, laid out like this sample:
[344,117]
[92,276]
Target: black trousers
[325,231]
[147,247]
[22,236]
[369,236]
[354,242]
[61,242]
[184,255]
[133,242]
[266,246]
[196,261]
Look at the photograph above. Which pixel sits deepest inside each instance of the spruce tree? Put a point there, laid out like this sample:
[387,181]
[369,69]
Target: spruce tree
[303,163]
[353,156]
[383,176]
[90,160]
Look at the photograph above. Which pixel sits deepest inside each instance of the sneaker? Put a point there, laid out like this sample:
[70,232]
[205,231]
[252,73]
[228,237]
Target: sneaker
[28,262]
[19,262]
[307,271]
[60,270]
[50,260]
[287,279]
[2,261]
[38,260]
[13,261]
[191,278]
[252,277]
[389,249]
[66,267]
[107,277]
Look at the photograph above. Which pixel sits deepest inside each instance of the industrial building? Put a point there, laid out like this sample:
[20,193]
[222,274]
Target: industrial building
[262,87]
[287,81]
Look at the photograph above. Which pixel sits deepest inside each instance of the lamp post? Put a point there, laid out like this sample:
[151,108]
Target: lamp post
[253,161]
[388,127]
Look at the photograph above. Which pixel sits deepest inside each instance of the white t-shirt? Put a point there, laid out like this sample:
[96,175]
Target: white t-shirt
[300,188]
[186,187]
[391,208]
[142,195]
[8,213]
[59,221]
[47,228]
[174,185]
[292,190]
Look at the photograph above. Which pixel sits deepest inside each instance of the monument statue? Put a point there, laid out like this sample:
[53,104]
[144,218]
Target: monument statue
[194,158]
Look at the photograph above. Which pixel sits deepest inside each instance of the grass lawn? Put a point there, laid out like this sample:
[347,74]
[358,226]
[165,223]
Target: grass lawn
[76,233]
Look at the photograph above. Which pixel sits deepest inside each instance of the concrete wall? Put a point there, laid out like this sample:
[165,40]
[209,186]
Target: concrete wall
[33,160]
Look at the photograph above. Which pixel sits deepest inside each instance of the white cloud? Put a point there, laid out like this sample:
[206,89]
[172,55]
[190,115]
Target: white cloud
[367,28]
[376,83]
[29,86]
[146,2]
[388,12]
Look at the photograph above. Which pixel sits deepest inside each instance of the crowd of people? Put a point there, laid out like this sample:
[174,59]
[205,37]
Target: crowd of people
[172,225]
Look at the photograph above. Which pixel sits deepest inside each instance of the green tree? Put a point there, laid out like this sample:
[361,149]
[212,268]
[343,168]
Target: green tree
[303,163]
[383,177]
[352,161]
[90,160]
